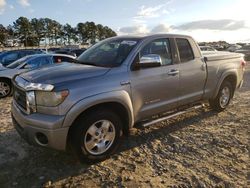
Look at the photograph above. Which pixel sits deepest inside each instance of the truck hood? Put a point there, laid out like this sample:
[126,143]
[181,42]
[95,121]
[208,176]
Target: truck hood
[63,72]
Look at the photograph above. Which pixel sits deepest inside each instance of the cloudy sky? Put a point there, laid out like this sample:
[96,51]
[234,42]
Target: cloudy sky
[205,20]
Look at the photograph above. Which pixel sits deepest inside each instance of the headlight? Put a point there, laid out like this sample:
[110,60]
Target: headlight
[50,99]
[29,86]
[31,102]
[37,86]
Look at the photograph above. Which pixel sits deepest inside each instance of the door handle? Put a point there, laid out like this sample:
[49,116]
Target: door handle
[173,72]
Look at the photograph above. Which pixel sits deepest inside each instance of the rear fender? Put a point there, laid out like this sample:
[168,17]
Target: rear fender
[222,78]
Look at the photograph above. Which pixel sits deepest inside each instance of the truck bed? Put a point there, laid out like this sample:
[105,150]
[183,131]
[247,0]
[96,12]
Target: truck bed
[222,55]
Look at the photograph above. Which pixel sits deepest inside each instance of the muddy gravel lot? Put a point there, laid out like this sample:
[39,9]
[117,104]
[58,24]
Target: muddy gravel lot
[199,149]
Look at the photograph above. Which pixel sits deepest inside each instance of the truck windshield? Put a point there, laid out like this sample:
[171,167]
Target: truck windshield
[109,53]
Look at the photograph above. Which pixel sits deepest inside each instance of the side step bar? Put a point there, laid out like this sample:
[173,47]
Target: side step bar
[173,115]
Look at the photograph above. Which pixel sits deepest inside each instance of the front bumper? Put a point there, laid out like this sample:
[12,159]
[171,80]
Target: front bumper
[30,126]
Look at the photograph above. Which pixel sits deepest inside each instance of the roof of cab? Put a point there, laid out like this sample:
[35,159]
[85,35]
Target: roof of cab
[169,35]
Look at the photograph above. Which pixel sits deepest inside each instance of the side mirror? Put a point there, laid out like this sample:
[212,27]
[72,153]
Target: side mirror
[150,60]
[205,59]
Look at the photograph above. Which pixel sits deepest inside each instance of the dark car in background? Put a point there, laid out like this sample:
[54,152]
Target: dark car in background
[9,57]
[64,51]
[78,52]
[25,64]
[73,52]
[53,49]
[245,50]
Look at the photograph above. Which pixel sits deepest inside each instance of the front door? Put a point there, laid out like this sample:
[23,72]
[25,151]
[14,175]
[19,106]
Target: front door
[155,89]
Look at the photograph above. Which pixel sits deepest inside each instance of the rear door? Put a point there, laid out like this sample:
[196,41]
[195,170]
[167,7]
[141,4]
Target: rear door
[192,71]
[155,89]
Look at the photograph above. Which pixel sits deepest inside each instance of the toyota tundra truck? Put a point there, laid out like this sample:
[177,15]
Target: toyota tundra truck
[116,84]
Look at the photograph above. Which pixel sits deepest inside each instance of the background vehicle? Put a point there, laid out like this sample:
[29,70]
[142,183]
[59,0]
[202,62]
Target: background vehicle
[119,82]
[245,50]
[78,52]
[207,48]
[8,57]
[73,52]
[234,47]
[25,64]
[65,51]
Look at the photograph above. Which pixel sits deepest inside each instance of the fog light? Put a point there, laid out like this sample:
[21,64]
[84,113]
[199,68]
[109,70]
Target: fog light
[42,139]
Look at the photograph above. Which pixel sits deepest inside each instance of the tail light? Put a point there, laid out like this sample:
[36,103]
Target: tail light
[243,63]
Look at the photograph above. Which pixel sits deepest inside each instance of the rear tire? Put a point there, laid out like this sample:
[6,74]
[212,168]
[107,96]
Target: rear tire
[223,97]
[5,88]
[95,136]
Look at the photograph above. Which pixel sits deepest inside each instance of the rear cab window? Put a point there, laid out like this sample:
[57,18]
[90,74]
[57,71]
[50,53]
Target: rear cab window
[67,59]
[185,50]
[60,59]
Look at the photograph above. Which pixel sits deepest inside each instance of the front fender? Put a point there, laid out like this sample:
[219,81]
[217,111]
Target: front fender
[121,97]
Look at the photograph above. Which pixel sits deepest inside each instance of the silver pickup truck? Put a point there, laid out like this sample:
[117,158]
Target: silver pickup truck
[86,106]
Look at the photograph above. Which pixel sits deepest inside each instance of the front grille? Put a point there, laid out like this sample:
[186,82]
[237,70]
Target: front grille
[20,98]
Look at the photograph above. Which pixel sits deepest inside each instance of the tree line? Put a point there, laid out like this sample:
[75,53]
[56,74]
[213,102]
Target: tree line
[35,31]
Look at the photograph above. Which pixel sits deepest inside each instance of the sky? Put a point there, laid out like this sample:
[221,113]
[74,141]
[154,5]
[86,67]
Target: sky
[205,20]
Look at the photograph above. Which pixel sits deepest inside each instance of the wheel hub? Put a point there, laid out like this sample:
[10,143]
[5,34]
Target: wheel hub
[225,96]
[4,89]
[99,137]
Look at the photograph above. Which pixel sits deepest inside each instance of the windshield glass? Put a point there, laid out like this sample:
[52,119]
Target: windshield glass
[110,53]
[18,62]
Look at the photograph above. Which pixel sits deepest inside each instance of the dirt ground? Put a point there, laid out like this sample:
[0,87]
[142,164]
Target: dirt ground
[199,149]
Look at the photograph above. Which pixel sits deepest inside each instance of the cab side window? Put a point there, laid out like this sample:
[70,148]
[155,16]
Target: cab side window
[57,59]
[160,47]
[60,59]
[44,61]
[67,59]
[185,50]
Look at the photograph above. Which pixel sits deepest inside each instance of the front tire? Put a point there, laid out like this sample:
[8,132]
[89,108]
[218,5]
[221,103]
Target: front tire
[95,136]
[223,97]
[5,88]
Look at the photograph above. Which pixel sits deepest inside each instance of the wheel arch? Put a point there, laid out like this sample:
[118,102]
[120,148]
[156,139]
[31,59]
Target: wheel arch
[229,76]
[7,79]
[118,101]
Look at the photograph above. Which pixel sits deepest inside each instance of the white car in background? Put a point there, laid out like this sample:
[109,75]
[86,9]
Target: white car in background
[234,47]
[246,51]
[207,48]
[25,64]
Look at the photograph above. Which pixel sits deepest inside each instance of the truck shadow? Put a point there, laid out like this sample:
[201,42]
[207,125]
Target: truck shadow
[38,165]
[161,130]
